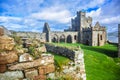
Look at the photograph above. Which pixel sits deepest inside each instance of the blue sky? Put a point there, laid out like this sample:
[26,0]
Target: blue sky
[30,15]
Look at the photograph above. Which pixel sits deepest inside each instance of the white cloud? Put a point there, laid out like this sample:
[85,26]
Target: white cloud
[12,26]
[8,19]
[95,14]
[94,3]
[53,14]
[111,20]
[17,23]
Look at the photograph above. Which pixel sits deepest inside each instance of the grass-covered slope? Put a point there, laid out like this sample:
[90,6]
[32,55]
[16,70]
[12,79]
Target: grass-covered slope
[60,59]
[98,63]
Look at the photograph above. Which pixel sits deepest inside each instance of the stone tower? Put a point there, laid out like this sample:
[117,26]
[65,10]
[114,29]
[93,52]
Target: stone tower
[46,30]
[80,22]
[118,40]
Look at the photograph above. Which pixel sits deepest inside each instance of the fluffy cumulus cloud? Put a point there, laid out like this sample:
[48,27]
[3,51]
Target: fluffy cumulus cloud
[108,15]
[30,15]
[53,14]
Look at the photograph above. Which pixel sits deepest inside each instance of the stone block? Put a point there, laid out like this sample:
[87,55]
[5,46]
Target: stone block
[42,70]
[6,46]
[40,77]
[2,68]
[6,40]
[25,57]
[31,73]
[11,75]
[20,51]
[46,69]
[6,43]
[35,63]
[41,49]
[8,57]
[51,76]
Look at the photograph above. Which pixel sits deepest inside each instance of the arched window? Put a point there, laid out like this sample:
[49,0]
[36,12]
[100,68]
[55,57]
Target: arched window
[101,37]
[62,38]
[75,37]
[55,38]
[69,39]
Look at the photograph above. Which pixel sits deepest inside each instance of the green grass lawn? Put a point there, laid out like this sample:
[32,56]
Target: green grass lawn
[99,61]
[60,59]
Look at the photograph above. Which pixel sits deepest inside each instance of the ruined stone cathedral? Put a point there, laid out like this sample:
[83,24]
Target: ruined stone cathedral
[81,31]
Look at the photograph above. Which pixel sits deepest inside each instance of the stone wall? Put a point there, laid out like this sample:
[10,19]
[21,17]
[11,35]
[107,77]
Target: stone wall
[15,66]
[61,51]
[68,37]
[118,40]
[71,54]
[76,55]
[99,38]
[32,35]
[87,36]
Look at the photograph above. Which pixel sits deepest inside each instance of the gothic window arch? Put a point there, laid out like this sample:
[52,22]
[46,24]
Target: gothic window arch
[69,39]
[62,38]
[75,37]
[55,38]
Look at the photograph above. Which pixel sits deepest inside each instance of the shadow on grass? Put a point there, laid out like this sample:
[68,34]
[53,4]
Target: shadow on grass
[108,52]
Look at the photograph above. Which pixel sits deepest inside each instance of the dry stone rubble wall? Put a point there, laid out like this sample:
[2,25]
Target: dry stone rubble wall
[14,66]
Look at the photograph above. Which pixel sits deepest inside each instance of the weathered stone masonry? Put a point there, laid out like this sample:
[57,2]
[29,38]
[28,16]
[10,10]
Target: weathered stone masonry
[61,51]
[76,55]
[118,40]
[15,66]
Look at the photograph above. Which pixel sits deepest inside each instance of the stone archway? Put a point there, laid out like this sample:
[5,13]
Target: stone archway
[69,39]
[62,38]
[55,38]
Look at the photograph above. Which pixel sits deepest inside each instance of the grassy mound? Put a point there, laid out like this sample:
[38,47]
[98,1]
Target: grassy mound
[99,61]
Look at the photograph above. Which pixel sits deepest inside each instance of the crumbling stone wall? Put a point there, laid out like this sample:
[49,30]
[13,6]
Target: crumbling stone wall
[22,66]
[71,54]
[76,55]
[61,51]
[118,40]
[32,35]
